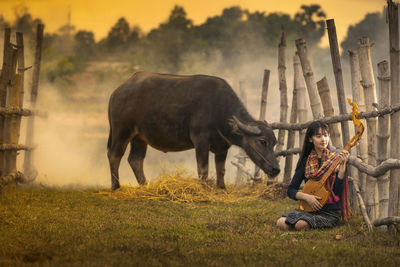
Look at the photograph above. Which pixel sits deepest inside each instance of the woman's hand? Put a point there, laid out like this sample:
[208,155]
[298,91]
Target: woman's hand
[344,154]
[313,201]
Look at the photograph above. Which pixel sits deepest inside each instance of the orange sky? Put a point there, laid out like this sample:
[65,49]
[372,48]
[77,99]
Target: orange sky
[99,15]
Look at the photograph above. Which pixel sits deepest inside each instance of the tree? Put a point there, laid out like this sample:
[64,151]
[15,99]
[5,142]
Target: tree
[311,21]
[177,19]
[84,44]
[119,35]
[374,26]
[166,44]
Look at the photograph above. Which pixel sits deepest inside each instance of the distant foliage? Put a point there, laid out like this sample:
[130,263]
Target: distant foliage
[374,26]
[229,40]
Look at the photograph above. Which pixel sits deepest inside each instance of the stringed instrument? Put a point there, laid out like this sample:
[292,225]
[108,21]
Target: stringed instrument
[319,187]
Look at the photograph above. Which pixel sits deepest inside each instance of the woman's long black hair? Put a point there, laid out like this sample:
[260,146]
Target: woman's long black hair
[307,145]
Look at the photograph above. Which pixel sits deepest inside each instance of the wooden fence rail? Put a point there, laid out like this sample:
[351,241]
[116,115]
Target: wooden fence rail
[338,118]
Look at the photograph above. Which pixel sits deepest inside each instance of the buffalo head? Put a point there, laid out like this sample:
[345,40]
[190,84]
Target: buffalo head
[258,141]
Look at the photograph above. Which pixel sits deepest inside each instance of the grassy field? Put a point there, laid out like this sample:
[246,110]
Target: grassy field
[70,227]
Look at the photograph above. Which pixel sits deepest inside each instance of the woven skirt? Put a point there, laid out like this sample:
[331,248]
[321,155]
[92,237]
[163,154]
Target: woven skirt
[318,219]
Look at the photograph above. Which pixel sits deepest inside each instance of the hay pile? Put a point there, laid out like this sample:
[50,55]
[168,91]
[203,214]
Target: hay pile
[179,187]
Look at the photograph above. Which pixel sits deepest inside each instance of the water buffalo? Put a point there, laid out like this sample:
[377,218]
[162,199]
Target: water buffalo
[176,113]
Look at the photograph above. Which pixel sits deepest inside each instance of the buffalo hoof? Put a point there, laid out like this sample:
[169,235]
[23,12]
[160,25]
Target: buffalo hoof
[115,187]
[221,186]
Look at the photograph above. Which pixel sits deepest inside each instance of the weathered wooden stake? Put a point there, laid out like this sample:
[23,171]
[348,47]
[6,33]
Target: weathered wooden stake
[21,73]
[263,109]
[309,78]
[28,160]
[10,129]
[287,176]
[358,97]
[301,92]
[368,84]
[383,136]
[7,74]
[282,89]
[337,70]
[362,205]
[394,99]
[326,100]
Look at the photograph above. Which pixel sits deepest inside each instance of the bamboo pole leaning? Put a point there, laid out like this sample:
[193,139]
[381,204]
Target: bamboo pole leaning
[362,204]
[368,84]
[263,108]
[358,97]
[301,93]
[383,136]
[395,99]
[28,160]
[287,176]
[282,88]
[337,70]
[308,74]
[326,100]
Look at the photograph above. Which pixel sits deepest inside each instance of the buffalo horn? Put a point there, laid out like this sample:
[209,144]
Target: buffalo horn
[247,128]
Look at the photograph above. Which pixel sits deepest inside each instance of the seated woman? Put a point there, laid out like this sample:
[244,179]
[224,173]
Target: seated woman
[316,157]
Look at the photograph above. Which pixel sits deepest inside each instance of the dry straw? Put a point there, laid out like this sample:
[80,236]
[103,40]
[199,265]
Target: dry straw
[178,186]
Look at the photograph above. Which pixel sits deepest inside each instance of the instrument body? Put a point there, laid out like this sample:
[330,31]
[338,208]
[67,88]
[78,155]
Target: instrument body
[318,187]
[312,187]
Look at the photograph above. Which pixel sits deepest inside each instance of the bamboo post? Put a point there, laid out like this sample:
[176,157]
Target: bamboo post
[326,100]
[287,176]
[6,77]
[309,78]
[358,97]
[394,99]
[337,70]
[7,37]
[241,155]
[368,84]
[28,160]
[21,73]
[299,85]
[383,136]
[9,167]
[264,94]
[263,109]
[282,88]
[10,129]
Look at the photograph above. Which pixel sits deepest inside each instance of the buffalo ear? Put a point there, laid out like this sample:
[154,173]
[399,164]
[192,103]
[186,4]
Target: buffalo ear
[245,128]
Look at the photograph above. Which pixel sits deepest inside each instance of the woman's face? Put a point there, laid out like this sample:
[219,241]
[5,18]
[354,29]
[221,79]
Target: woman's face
[320,139]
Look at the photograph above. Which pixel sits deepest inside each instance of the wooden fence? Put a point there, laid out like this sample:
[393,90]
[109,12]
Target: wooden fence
[12,111]
[370,166]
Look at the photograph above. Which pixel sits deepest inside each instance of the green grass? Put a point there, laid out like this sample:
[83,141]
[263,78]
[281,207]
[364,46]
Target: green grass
[67,227]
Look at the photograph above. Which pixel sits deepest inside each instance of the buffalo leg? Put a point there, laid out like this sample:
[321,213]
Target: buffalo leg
[115,152]
[220,159]
[136,157]
[202,152]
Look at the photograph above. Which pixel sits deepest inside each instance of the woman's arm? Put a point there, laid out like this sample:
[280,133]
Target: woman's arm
[293,189]
[344,154]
